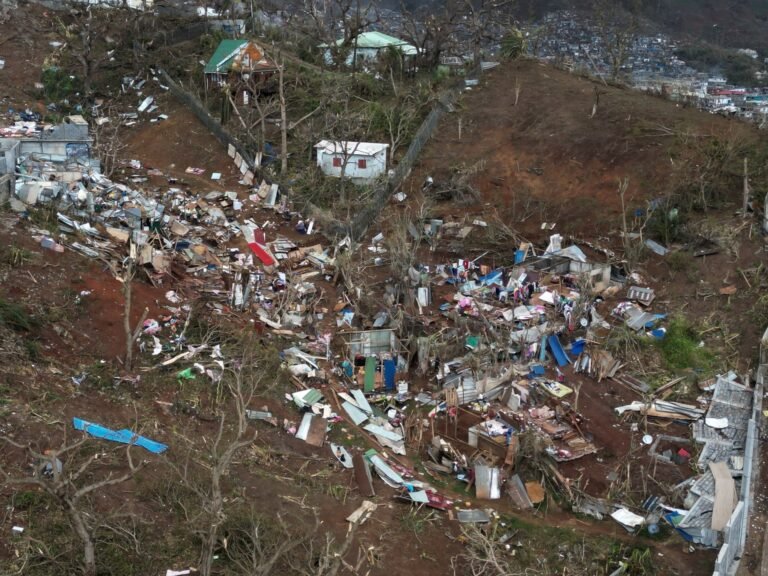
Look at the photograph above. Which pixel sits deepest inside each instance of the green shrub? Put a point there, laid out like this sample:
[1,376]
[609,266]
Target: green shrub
[59,85]
[29,500]
[680,261]
[13,316]
[680,347]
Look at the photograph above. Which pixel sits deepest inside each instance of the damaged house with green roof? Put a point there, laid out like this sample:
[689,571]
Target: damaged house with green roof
[239,63]
[369,47]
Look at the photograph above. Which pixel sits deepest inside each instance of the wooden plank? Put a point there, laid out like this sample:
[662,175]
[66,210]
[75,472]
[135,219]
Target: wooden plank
[316,434]
[363,476]
[535,492]
[512,449]
[669,385]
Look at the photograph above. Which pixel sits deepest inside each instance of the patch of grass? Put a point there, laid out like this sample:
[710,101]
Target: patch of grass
[32,348]
[415,520]
[680,347]
[553,550]
[45,217]
[680,261]
[29,500]
[99,376]
[637,561]
[759,311]
[5,394]
[58,84]
[15,256]
[665,531]
[337,492]
[13,316]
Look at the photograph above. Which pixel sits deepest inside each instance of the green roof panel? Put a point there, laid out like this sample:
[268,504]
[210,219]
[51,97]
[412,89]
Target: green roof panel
[221,61]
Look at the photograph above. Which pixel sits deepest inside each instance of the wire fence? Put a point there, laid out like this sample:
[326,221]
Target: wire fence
[381,194]
[202,114]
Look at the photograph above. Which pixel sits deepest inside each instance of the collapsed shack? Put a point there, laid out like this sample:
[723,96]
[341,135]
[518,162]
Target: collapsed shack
[374,359]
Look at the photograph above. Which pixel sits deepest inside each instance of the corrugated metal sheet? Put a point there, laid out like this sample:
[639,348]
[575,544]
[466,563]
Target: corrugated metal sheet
[385,472]
[487,482]
[312,430]
[516,490]
[383,432]
[473,516]
[357,415]
[643,295]
[361,401]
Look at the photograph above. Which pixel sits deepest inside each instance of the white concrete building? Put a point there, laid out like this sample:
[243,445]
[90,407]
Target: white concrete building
[361,162]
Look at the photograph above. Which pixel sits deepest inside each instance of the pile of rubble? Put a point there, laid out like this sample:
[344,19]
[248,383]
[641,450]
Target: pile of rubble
[491,364]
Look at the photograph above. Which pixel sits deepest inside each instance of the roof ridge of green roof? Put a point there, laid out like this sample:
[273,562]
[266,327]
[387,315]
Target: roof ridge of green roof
[224,49]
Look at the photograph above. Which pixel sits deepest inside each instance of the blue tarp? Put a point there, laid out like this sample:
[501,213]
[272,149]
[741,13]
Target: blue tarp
[674,519]
[557,351]
[390,369]
[491,278]
[519,256]
[124,436]
[538,370]
[577,347]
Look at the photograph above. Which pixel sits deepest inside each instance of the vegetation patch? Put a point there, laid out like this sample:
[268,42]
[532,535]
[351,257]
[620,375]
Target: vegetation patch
[13,316]
[681,348]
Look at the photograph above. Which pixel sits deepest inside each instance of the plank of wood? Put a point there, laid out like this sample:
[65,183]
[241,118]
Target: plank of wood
[363,476]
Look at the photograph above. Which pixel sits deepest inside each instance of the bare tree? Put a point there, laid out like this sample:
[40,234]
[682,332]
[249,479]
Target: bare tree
[430,31]
[485,22]
[348,18]
[240,381]
[125,277]
[288,543]
[709,167]
[595,102]
[283,119]
[483,554]
[265,107]
[107,141]
[70,478]
[617,28]
[400,118]
[90,36]
[343,124]
[402,241]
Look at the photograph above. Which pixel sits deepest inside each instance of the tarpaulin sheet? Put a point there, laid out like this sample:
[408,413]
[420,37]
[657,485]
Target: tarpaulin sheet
[124,436]
[557,351]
